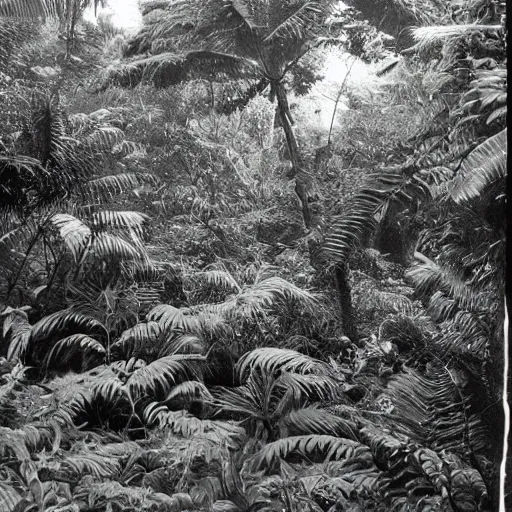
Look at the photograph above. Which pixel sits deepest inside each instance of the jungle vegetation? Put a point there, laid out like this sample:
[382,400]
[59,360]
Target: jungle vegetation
[219,293]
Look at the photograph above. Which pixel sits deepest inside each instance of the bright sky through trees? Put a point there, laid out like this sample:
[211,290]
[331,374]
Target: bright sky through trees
[125,13]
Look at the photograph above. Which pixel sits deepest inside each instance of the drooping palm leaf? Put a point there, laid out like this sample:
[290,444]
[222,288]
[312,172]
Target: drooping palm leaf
[60,323]
[485,165]
[67,347]
[312,420]
[269,360]
[387,188]
[75,234]
[328,447]
[162,374]
[186,425]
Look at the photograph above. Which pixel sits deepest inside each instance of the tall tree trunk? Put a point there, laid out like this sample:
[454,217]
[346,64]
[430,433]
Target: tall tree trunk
[293,148]
[345,298]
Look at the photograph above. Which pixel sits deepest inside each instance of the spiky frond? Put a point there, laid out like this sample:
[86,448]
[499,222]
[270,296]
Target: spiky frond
[64,350]
[168,69]
[294,22]
[162,374]
[269,360]
[32,9]
[325,446]
[384,190]
[171,318]
[427,36]
[313,420]
[186,425]
[485,165]
[431,409]
[74,233]
[55,325]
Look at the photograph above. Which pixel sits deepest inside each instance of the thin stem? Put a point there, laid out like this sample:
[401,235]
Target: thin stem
[338,96]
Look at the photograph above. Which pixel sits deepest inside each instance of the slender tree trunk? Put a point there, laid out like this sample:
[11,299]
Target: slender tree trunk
[345,298]
[293,148]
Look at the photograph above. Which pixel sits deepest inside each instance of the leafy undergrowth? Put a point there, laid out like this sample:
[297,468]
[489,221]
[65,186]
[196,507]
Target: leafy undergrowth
[195,356]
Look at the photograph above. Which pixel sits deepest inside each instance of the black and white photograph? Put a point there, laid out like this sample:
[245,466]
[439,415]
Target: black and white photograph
[253,256]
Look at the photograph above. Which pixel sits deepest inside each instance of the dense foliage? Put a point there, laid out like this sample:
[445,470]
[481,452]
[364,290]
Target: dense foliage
[230,282]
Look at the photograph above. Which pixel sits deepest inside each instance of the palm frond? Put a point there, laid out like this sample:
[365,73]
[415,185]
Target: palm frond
[171,318]
[167,69]
[328,447]
[186,425]
[162,374]
[269,360]
[486,164]
[312,420]
[99,466]
[57,324]
[189,390]
[66,348]
[31,9]
[302,15]
[384,189]
[314,385]
[108,247]
[75,234]
[142,338]
[9,497]
[108,186]
[427,36]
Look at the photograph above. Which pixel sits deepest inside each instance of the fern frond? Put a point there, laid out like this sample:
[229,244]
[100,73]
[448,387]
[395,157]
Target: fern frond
[383,190]
[486,164]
